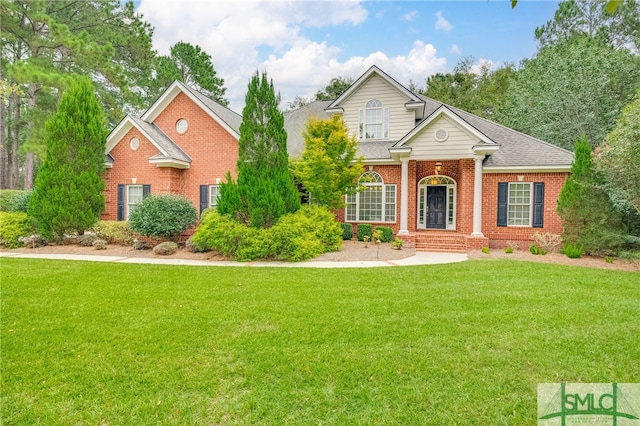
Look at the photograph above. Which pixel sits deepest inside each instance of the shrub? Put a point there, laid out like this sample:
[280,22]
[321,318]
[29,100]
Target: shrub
[387,233]
[7,197]
[534,249]
[347,231]
[20,202]
[364,229]
[513,245]
[166,248]
[547,241]
[397,243]
[508,250]
[164,215]
[141,245]
[33,241]
[13,226]
[485,250]
[193,247]
[572,251]
[115,232]
[307,233]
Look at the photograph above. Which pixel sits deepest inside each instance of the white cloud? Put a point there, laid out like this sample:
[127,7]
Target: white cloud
[455,50]
[410,16]
[442,23]
[243,37]
[482,64]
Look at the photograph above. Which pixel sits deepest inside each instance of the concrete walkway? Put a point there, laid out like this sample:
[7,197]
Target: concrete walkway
[420,258]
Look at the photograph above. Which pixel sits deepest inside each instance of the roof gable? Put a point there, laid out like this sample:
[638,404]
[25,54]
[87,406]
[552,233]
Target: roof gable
[229,120]
[413,100]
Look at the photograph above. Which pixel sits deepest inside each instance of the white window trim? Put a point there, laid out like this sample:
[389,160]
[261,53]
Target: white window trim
[213,201]
[129,205]
[383,206]
[530,224]
[384,121]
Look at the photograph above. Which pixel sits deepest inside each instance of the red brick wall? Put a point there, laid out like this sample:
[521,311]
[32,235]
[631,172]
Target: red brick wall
[499,235]
[212,149]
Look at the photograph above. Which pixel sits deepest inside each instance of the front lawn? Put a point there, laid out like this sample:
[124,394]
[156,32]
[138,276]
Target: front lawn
[465,343]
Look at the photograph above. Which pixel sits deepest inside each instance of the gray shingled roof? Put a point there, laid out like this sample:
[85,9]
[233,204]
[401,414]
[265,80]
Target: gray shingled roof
[516,149]
[160,138]
[232,118]
[294,122]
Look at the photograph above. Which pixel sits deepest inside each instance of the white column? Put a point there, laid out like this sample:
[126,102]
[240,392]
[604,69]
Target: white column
[404,198]
[477,197]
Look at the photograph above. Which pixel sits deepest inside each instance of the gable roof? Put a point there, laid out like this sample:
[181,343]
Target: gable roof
[517,150]
[414,101]
[228,119]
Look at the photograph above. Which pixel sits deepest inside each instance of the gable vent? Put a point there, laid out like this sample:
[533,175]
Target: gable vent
[441,135]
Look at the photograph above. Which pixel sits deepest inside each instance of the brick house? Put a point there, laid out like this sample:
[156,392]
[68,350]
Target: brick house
[442,178]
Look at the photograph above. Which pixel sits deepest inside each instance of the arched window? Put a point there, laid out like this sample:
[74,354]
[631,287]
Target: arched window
[374,121]
[374,201]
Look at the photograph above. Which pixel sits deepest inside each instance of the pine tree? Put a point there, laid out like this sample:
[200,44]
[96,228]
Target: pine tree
[588,217]
[265,189]
[68,195]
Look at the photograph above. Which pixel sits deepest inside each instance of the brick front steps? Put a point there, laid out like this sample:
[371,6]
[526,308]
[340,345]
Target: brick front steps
[444,241]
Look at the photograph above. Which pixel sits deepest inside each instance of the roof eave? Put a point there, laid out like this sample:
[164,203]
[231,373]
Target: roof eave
[555,168]
[170,162]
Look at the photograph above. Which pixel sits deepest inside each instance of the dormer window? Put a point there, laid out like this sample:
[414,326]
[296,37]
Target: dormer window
[374,121]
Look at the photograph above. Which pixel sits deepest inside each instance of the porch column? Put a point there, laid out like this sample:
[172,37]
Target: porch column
[477,197]
[404,197]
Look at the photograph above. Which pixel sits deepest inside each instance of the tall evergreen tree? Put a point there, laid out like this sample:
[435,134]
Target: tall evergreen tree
[265,189]
[68,195]
[587,215]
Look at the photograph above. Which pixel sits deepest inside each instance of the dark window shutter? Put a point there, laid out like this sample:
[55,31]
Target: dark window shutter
[121,202]
[503,197]
[538,204]
[204,197]
[146,190]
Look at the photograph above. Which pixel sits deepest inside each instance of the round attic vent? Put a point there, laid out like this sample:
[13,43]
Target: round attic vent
[182,125]
[441,135]
[134,143]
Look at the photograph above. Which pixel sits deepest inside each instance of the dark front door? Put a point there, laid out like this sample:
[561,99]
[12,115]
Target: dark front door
[436,207]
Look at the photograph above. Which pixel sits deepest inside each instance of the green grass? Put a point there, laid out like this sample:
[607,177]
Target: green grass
[96,343]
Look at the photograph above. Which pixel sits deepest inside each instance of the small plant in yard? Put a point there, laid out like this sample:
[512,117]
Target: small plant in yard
[364,230]
[386,233]
[534,249]
[572,251]
[485,250]
[397,243]
[511,247]
[347,231]
[13,227]
[366,240]
[508,250]
[99,244]
[608,259]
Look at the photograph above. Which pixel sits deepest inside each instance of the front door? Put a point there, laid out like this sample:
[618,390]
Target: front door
[436,207]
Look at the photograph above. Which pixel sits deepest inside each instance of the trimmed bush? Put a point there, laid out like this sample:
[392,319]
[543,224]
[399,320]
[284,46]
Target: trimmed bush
[387,233]
[572,251]
[163,216]
[364,229]
[347,231]
[115,232]
[13,226]
[297,236]
[165,249]
[7,197]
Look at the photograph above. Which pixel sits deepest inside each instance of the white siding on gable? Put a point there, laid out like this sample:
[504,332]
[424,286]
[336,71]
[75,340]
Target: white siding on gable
[459,143]
[401,121]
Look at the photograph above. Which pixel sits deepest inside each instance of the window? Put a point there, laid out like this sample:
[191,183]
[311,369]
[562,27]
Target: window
[134,197]
[214,193]
[519,208]
[374,201]
[521,204]
[374,121]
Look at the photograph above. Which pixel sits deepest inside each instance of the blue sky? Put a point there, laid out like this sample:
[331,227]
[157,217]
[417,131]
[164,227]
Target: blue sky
[303,44]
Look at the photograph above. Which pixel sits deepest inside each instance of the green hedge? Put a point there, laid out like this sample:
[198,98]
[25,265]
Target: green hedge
[364,229]
[115,232]
[164,215]
[7,197]
[387,233]
[302,235]
[347,231]
[14,225]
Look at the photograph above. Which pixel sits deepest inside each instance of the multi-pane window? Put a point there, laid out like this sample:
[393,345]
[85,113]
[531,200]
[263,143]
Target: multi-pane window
[134,197]
[374,201]
[519,206]
[214,193]
[374,121]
